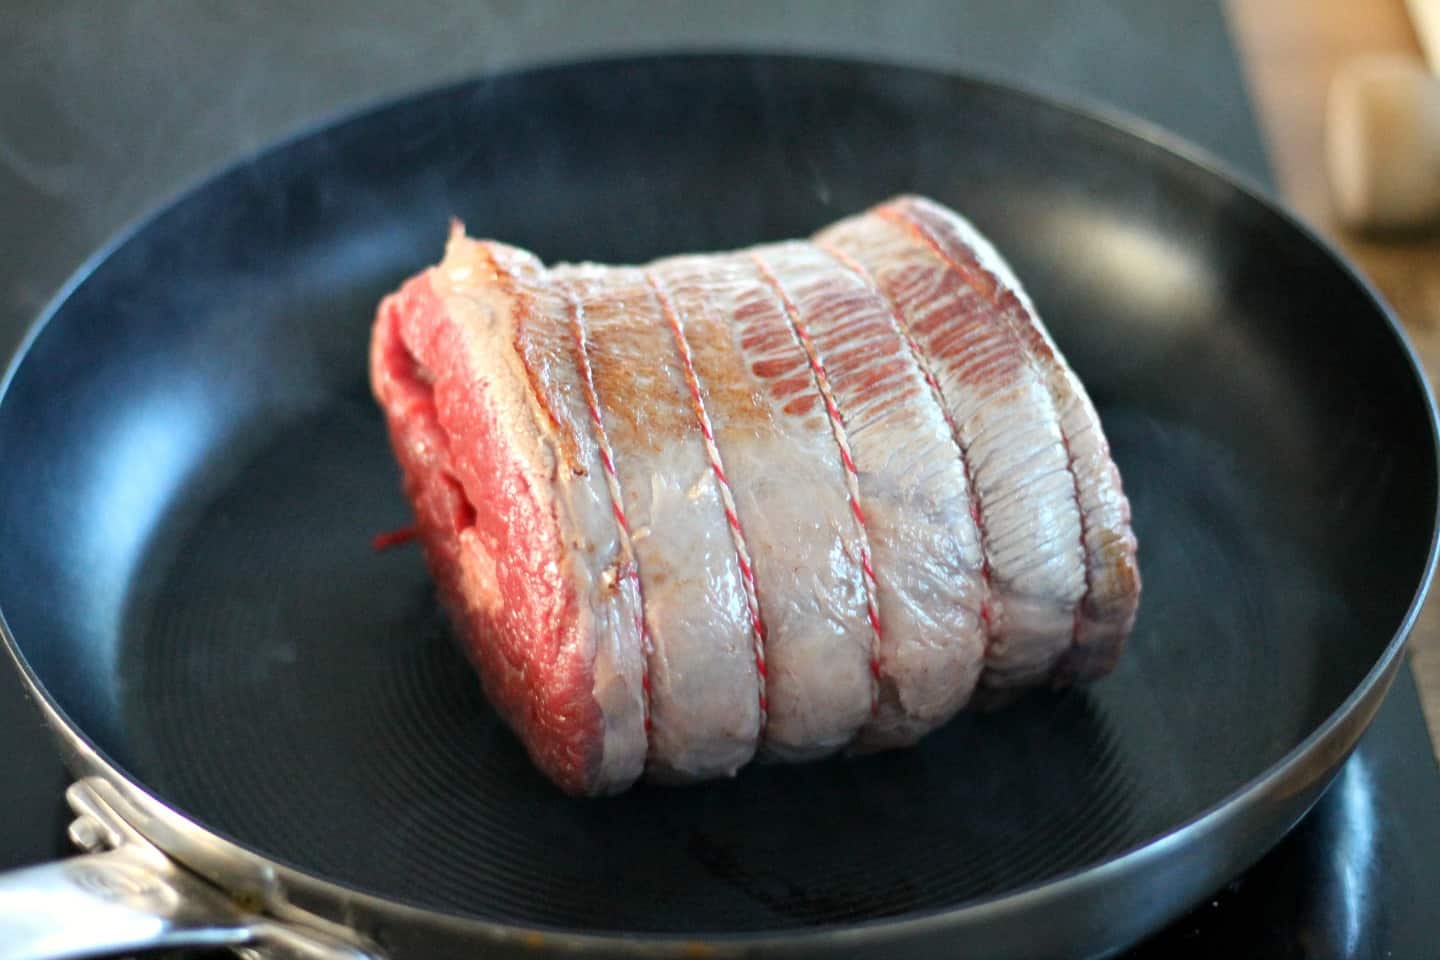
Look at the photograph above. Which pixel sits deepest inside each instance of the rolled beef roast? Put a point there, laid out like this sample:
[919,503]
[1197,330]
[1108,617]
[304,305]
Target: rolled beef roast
[772,503]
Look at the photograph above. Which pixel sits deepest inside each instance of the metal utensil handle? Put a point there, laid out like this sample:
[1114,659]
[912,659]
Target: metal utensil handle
[109,902]
[133,897]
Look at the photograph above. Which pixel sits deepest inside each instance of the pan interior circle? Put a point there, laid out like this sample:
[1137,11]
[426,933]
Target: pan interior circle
[302,693]
[195,468]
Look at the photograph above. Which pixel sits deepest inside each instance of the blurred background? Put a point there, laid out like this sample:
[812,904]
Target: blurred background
[112,107]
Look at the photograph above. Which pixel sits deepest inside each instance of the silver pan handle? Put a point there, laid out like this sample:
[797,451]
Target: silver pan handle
[133,897]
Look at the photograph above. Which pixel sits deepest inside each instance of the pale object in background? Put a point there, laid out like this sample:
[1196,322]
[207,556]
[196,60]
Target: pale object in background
[1425,18]
[1382,132]
[1383,142]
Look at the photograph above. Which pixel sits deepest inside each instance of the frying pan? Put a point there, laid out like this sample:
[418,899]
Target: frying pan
[194,470]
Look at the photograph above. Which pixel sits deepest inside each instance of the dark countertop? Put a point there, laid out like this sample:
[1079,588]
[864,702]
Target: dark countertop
[111,108]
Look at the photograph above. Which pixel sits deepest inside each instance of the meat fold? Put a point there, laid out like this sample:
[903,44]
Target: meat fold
[780,502]
[704,684]
[779,458]
[909,485]
[1008,432]
[1112,574]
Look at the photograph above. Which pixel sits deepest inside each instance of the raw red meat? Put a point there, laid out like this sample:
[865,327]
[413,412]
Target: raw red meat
[780,502]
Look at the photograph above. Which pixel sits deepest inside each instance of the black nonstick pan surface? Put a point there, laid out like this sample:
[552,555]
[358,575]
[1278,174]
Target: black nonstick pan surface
[193,469]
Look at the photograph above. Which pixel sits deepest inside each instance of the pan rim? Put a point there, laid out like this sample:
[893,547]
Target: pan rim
[1111,120]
